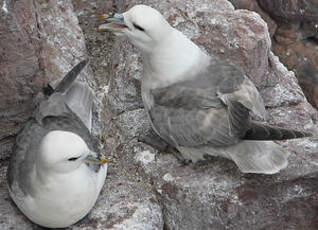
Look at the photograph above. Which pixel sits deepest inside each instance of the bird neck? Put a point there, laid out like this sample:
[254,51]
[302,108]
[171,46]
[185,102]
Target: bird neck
[174,59]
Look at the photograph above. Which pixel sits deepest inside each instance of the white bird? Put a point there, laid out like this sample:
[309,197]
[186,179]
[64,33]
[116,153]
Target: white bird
[196,102]
[54,175]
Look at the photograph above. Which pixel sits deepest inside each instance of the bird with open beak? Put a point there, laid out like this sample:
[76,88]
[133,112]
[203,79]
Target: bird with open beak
[198,103]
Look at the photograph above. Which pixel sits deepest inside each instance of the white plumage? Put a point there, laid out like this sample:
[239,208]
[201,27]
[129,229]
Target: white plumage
[196,102]
[54,175]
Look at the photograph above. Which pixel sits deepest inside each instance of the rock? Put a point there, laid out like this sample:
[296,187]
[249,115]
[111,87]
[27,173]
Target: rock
[310,30]
[214,194]
[126,201]
[45,41]
[291,11]
[20,69]
[146,189]
[299,53]
[40,43]
[301,56]
[295,38]
[254,6]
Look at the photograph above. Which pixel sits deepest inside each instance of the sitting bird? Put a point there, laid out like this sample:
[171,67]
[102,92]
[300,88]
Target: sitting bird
[197,103]
[55,175]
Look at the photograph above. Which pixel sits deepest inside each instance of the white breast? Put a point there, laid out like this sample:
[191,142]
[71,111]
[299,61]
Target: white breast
[66,198]
[175,59]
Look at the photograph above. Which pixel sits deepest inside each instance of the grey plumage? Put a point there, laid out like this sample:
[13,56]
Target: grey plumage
[198,103]
[80,100]
[69,108]
[210,115]
[54,113]
[211,109]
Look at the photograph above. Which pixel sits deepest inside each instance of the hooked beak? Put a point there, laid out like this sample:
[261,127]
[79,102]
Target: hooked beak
[95,158]
[114,23]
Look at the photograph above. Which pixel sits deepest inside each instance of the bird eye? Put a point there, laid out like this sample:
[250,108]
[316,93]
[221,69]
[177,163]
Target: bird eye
[138,27]
[72,158]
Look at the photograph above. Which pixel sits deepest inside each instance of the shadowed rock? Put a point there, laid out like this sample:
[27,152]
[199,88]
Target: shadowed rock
[294,39]
[214,194]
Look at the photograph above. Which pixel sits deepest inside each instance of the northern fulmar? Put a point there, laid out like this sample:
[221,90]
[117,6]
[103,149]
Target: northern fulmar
[55,174]
[196,102]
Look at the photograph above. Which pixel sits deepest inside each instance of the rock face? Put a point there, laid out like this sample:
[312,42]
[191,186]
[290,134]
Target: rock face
[253,6]
[296,40]
[298,10]
[39,43]
[147,189]
[20,71]
[214,194]
[43,40]
[293,25]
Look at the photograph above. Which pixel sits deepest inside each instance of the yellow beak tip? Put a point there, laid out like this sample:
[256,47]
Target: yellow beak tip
[103,16]
[104,160]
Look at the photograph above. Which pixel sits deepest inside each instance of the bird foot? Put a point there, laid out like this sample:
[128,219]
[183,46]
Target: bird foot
[179,156]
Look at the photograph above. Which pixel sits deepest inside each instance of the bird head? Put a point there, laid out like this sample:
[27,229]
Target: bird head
[63,151]
[144,26]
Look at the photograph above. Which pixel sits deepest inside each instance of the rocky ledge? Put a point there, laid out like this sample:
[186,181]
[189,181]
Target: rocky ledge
[145,188]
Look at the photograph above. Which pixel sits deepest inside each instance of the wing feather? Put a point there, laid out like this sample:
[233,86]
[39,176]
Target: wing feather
[211,109]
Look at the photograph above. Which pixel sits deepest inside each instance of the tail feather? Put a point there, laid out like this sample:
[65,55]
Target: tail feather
[264,157]
[265,132]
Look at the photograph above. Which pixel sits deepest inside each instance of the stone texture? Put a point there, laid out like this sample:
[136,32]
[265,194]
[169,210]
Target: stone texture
[127,201]
[214,194]
[301,56]
[147,189]
[40,41]
[254,6]
[49,41]
[20,70]
[294,39]
[297,49]
[295,11]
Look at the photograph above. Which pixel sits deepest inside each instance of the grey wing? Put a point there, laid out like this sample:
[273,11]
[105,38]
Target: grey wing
[22,159]
[234,86]
[52,114]
[80,100]
[78,105]
[69,108]
[213,109]
[23,156]
[70,112]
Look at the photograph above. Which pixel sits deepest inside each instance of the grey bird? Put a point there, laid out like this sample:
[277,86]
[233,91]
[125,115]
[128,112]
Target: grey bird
[55,174]
[196,102]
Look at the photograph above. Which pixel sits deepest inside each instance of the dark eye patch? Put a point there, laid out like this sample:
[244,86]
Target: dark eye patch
[138,27]
[72,158]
